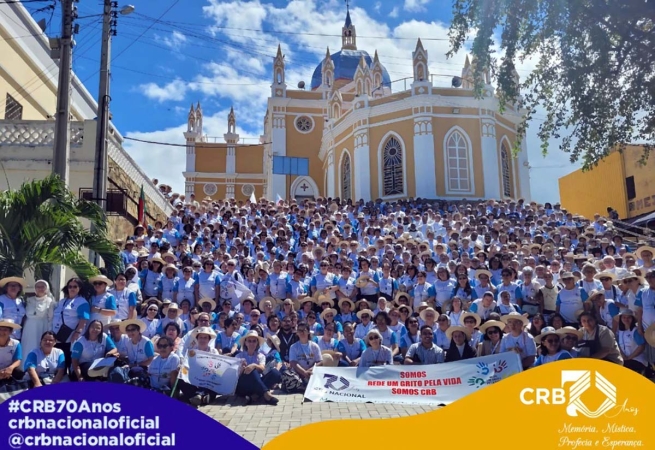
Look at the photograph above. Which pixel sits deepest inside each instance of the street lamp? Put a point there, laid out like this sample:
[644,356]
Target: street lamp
[101,165]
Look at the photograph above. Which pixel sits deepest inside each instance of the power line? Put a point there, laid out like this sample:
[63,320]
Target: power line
[12,2]
[290,32]
[199,143]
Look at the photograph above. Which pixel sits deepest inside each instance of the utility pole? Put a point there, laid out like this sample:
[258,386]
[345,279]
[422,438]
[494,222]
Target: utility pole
[61,153]
[101,158]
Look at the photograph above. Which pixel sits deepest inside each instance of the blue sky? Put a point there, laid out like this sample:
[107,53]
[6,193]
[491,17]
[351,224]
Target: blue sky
[170,53]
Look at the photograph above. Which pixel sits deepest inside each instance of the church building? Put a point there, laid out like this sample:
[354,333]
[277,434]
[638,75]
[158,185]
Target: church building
[363,141]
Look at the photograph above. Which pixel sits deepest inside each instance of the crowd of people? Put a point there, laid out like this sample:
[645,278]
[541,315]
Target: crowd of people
[289,286]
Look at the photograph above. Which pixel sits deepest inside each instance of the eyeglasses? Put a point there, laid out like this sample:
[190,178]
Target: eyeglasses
[413,322]
[493,332]
[373,338]
[162,346]
[132,329]
[252,341]
[254,315]
[73,286]
[552,341]
[440,320]
[98,283]
[570,338]
[365,316]
[203,320]
[152,309]
[606,279]
[462,278]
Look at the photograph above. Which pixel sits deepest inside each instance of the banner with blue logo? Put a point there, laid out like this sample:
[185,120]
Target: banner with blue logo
[437,384]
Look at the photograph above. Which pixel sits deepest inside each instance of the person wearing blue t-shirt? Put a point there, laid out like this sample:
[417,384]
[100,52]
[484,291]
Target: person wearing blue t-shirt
[94,344]
[551,348]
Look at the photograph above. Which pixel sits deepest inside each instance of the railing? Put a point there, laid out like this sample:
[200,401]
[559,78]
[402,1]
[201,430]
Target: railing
[36,133]
[40,133]
[631,230]
[221,140]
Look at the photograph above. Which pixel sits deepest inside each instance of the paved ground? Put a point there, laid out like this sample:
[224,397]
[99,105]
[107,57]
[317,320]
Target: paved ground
[291,413]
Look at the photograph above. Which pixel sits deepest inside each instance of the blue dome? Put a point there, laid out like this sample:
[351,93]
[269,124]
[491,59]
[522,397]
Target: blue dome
[345,66]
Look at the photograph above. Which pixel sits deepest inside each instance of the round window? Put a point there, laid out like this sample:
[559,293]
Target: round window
[304,124]
[247,189]
[210,189]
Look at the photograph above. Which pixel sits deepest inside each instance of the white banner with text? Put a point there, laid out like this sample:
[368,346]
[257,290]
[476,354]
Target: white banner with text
[214,372]
[434,384]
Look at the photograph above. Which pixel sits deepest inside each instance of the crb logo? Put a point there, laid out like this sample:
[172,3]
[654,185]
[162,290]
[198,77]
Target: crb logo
[335,382]
[581,382]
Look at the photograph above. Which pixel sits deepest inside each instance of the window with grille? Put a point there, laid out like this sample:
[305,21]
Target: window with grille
[459,178]
[506,168]
[346,188]
[393,168]
[13,109]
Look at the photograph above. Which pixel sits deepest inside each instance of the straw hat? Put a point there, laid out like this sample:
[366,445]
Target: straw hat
[329,360]
[409,308]
[170,266]
[595,293]
[9,323]
[399,294]
[600,275]
[645,248]
[363,300]
[422,305]
[362,312]
[273,301]
[173,307]
[127,322]
[249,299]
[294,303]
[18,280]
[492,323]
[630,275]
[649,335]
[207,300]
[546,331]
[328,311]
[515,316]
[452,329]
[159,260]
[169,254]
[203,330]
[362,281]
[322,298]
[427,310]
[483,272]
[153,300]
[275,341]
[251,333]
[466,314]
[112,323]
[570,330]
[343,300]
[101,279]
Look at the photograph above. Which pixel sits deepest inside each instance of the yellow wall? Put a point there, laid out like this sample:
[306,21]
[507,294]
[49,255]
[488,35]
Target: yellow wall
[404,129]
[250,159]
[644,176]
[26,83]
[472,128]
[591,192]
[300,145]
[211,157]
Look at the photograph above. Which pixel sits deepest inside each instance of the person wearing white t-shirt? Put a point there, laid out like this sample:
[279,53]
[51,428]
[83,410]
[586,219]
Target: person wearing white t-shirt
[518,340]
[571,299]
[164,368]
[304,354]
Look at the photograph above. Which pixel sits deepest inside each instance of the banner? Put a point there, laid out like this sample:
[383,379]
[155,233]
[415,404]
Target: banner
[438,384]
[214,372]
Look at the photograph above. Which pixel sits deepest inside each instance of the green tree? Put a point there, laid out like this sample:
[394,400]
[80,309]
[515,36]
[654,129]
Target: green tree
[40,225]
[595,74]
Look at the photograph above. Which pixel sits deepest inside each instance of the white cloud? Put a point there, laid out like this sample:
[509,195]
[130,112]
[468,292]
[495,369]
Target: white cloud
[394,12]
[415,5]
[175,90]
[377,7]
[174,41]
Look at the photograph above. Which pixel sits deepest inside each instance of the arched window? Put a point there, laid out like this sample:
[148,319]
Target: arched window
[457,162]
[346,187]
[393,168]
[506,166]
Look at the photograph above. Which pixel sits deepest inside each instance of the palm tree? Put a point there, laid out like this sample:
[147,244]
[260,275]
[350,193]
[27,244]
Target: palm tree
[40,226]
